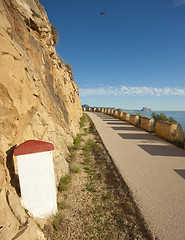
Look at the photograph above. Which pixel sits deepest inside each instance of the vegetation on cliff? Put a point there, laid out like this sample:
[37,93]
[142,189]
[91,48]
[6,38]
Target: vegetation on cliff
[55,34]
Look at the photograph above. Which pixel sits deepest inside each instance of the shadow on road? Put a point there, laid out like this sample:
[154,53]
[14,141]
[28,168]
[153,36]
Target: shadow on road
[111,120]
[137,136]
[181,172]
[117,123]
[161,150]
[128,129]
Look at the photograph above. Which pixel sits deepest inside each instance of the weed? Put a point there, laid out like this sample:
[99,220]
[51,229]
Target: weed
[83,118]
[73,155]
[89,187]
[81,124]
[129,208]
[85,131]
[87,160]
[62,205]
[88,147]
[77,142]
[75,169]
[58,219]
[106,197]
[87,170]
[64,181]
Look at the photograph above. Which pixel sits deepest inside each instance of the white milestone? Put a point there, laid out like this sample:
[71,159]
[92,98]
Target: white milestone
[36,176]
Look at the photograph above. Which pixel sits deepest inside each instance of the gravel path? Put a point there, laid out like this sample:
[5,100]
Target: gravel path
[154,171]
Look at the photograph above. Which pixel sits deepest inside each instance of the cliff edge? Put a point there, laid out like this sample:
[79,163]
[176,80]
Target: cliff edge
[38,100]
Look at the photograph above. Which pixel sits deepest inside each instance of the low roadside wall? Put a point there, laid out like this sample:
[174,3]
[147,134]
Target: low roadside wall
[108,111]
[111,112]
[102,110]
[125,116]
[88,109]
[115,114]
[120,114]
[166,130]
[93,109]
[147,123]
[134,119]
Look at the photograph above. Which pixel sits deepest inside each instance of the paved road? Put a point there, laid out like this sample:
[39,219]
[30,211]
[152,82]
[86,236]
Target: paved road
[154,171]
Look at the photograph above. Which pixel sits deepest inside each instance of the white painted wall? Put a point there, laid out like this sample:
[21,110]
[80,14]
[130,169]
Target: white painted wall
[37,182]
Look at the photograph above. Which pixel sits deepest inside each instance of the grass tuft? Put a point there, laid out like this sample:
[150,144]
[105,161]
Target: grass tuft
[75,169]
[62,205]
[82,121]
[58,219]
[89,146]
[87,170]
[77,142]
[64,181]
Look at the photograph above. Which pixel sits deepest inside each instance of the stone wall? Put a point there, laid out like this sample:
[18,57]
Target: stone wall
[163,129]
[147,124]
[126,116]
[166,130]
[134,119]
[38,100]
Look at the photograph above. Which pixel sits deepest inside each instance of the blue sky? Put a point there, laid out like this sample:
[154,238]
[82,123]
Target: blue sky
[131,57]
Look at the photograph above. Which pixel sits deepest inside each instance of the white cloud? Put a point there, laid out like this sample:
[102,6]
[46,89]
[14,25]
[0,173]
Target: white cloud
[179,3]
[131,91]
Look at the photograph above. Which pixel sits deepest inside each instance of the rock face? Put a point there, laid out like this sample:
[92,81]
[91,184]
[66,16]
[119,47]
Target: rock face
[38,100]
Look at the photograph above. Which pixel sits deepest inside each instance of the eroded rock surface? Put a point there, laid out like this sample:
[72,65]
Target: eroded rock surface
[38,100]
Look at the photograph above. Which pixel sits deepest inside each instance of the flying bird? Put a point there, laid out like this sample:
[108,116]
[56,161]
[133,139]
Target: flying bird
[102,13]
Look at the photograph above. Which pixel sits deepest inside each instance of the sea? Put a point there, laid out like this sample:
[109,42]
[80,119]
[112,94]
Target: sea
[179,116]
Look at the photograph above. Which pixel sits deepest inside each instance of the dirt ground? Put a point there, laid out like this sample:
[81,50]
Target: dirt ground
[93,200]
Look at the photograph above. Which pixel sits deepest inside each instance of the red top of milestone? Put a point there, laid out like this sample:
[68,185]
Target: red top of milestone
[33,146]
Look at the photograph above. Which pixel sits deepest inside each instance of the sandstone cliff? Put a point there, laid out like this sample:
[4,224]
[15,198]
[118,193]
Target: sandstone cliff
[38,100]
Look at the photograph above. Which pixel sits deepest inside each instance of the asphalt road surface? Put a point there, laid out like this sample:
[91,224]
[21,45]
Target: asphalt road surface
[153,169]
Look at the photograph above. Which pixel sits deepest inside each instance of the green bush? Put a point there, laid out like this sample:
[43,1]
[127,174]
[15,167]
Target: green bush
[180,135]
[159,117]
[163,117]
[55,34]
[172,120]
